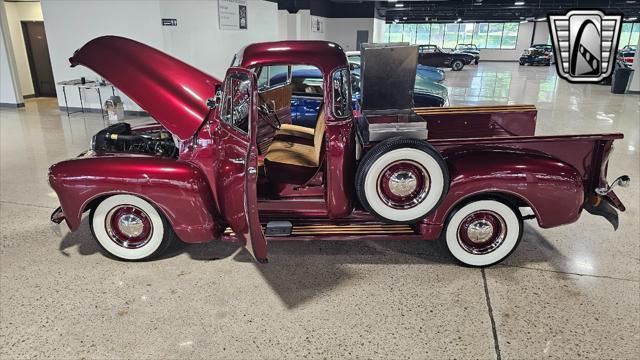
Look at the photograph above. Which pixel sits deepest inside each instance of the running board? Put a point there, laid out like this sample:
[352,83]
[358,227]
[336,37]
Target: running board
[286,229]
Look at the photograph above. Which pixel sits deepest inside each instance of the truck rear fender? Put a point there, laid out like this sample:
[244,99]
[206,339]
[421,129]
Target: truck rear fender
[551,188]
[178,189]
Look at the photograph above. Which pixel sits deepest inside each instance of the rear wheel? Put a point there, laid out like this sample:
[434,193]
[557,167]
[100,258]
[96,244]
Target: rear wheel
[483,232]
[476,61]
[130,228]
[401,180]
[457,65]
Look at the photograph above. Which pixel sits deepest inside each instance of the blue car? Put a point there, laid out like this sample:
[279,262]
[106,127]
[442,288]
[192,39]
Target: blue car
[426,72]
[307,94]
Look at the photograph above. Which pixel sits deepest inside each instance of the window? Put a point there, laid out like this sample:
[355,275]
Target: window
[236,101]
[437,34]
[409,33]
[629,34]
[306,80]
[509,36]
[341,84]
[494,37]
[395,33]
[272,76]
[422,33]
[635,34]
[480,35]
[465,34]
[450,36]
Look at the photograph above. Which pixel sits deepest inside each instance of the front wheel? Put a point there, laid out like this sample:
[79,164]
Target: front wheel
[476,61]
[483,232]
[130,228]
[457,65]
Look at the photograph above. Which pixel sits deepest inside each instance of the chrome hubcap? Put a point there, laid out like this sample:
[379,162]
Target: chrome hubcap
[131,225]
[402,183]
[480,231]
[128,226]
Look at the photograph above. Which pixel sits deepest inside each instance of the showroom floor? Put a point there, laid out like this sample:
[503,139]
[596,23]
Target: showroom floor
[571,292]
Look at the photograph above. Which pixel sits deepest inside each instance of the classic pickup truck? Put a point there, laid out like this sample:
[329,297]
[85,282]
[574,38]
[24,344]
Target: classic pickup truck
[233,168]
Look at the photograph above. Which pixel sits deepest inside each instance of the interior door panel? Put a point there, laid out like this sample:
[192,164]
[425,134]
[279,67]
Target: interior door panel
[280,99]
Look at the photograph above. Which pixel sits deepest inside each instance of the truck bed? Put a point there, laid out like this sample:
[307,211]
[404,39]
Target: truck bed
[479,121]
[586,153]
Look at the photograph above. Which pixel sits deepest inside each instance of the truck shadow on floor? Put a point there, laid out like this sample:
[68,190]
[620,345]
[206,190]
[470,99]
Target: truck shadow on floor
[299,271]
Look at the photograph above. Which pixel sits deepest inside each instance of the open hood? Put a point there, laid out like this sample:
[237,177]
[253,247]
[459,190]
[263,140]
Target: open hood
[171,91]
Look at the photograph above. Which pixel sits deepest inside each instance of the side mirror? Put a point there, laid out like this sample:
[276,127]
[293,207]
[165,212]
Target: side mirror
[213,102]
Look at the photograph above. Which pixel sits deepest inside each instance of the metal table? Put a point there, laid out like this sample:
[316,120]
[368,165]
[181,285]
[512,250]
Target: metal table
[87,85]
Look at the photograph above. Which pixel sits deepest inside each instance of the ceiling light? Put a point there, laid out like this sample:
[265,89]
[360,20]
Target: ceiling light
[400,5]
[632,19]
[523,22]
[518,3]
[459,19]
[541,19]
[404,18]
[392,0]
[630,2]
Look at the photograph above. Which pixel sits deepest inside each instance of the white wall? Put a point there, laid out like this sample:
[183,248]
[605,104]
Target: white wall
[10,93]
[70,24]
[343,31]
[542,33]
[17,12]
[378,31]
[197,39]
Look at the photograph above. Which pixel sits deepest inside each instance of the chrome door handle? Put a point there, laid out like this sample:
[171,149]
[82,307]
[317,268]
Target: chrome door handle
[251,170]
[238,160]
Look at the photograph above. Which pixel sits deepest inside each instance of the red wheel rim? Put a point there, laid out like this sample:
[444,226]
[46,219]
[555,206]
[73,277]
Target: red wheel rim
[403,184]
[128,226]
[481,232]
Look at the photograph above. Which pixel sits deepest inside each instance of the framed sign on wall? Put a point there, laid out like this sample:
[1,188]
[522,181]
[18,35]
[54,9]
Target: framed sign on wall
[232,14]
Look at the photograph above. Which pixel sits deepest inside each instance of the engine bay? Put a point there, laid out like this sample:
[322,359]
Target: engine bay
[120,138]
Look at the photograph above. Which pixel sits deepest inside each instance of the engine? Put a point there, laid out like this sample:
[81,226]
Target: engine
[120,138]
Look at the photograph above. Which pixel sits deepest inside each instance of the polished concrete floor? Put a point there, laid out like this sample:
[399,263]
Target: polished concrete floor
[568,293]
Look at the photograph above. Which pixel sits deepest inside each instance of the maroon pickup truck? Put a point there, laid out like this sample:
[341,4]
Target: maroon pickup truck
[224,163]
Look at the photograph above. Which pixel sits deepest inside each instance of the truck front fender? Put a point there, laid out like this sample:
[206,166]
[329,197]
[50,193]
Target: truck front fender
[177,188]
[552,188]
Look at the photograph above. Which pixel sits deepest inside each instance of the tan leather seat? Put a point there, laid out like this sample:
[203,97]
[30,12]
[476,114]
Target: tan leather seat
[294,155]
[295,130]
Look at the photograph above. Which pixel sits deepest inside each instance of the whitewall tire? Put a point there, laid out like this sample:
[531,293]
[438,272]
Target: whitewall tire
[130,228]
[483,232]
[401,180]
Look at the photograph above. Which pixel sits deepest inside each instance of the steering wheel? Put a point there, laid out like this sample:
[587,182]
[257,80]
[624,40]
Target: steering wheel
[270,115]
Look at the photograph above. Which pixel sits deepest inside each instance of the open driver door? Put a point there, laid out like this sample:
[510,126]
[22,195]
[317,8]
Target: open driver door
[237,173]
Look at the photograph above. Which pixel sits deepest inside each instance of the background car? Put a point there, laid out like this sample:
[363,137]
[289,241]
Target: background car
[470,49]
[626,54]
[426,72]
[536,56]
[426,93]
[432,55]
